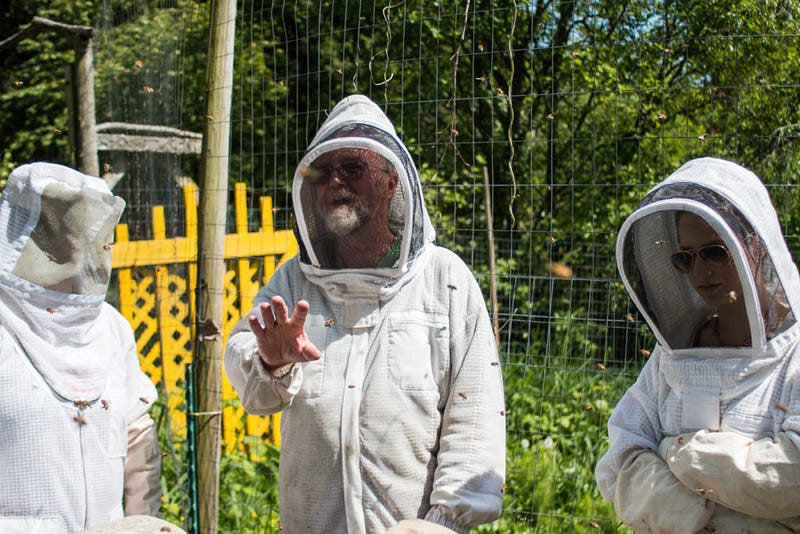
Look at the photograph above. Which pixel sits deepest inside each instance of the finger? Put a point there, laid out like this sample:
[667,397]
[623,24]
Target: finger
[300,313]
[255,325]
[280,310]
[311,352]
[267,317]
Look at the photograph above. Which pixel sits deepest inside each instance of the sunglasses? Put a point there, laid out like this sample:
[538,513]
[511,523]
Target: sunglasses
[714,255]
[349,171]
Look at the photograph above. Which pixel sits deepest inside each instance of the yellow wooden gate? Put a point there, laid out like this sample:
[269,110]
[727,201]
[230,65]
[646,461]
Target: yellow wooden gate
[157,281]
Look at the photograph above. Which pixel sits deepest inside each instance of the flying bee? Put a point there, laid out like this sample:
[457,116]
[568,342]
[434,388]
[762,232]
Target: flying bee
[645,352]
[782,407]
[144,400]
[51,310]
[329,323]
[51,257]
[600,366]
[660,242]
[79,419]
[105,404]
[495,364]
[451,287]
[81,403]
[108,246]
[629,317]
[503,487]
[462,395]
[732,297]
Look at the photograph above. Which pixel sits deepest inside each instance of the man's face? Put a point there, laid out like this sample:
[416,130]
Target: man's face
[352,186]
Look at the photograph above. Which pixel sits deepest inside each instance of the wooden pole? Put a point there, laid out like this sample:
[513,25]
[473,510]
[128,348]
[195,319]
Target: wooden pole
[86,149]
[210,257]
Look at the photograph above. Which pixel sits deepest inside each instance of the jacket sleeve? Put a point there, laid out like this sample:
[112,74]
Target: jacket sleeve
[142,491]
[469,479]
[760,478]
[645,493]
[649,498]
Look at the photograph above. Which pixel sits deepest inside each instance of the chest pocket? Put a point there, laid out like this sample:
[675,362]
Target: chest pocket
[418,350]
[114,408]
[314,372]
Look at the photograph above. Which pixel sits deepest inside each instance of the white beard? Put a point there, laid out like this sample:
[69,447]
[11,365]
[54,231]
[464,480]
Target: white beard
[346,219]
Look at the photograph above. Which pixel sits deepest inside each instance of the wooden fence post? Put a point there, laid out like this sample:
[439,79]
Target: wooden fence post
[211,260]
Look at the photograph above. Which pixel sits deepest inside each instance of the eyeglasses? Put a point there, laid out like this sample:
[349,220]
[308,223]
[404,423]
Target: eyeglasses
[714,255]
[349,171]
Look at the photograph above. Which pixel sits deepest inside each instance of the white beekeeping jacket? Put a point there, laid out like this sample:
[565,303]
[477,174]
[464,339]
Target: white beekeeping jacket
[403,416]
[70,382]
[726,418]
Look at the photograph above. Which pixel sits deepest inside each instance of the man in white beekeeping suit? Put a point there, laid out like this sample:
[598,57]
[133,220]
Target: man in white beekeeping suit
[707,438]
[76,433]
[376,345]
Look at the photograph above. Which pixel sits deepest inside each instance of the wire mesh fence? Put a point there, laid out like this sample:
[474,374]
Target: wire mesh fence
[564,112]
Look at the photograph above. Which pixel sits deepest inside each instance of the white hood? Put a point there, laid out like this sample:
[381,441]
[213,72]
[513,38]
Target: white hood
[734,202]
[357,122]
[55,263]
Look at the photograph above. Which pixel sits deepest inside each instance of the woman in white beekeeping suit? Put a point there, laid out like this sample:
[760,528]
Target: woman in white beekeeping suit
[74,402]
[707,438]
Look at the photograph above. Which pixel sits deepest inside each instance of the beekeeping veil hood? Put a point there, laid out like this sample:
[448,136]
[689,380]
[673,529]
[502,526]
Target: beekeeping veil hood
[55,261]
[735,204]
[358,123]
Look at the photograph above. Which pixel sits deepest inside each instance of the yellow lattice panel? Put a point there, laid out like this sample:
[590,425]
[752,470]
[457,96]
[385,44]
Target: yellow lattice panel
[157,282]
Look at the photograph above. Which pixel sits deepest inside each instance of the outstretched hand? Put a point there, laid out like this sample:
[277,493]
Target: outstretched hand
[283,339]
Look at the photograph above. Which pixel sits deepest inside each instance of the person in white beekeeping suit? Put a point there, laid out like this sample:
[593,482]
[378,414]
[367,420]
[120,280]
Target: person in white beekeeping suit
[76,430]
[377,347]
[707,437]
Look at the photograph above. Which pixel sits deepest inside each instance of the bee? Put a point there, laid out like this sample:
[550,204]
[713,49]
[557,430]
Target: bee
[574,53]
[451,287]
[662,117]
[148,89]
[589,408]
[503,412]
[351,386]
[503,487]
[144,400]
[51,257]
[105,404]
[138,63]
[79,419]
[600,366]
[81,403]
[495,364]
[550,117]
[732,297]
[480,47]
[782,407]
[453,132]
[18,83]
[166,529]
[660,242]
[645,352]
[593,524]
[329,323]
[57,131]
[551,239]
[106,167]
[559,270]
[108,246]
[51,310]
[629,317]
[481,78]
[702,137]
[462,395]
